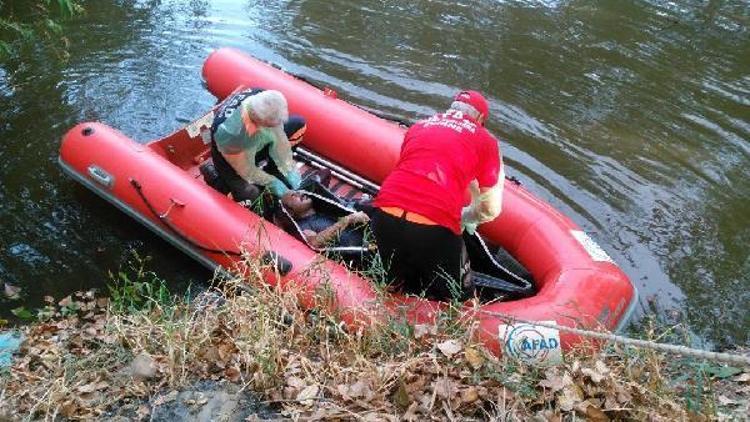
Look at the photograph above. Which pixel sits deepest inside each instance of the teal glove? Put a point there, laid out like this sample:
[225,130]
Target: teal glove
[470,228]
[294,179]
[277,188]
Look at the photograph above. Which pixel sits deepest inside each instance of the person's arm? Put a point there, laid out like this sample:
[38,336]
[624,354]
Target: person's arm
[487,189]
[280,152]
[486,203]
[244,164]
[325,236]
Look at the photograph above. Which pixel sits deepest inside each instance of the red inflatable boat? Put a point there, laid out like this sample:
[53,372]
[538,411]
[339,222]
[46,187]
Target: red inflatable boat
[159,184]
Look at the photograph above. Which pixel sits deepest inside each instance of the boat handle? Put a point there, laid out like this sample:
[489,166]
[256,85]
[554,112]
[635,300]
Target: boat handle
[174,203]
[100,176]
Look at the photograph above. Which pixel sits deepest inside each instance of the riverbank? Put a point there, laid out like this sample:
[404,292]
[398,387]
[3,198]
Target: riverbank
[236,352]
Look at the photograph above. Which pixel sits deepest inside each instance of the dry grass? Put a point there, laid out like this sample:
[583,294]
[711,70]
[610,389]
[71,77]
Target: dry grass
[107,354]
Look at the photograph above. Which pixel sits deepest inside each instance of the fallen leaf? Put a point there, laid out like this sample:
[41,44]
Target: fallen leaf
[143,411]
[232,374]
[450,347]
[12,292]
[610,402]
[421,330]
[296,382]
[595,414]
[69,408]
[726,401]
[598,373]
[570,397]
[411,413]
[91,387]
[307,394]
[474,358]
[401,396]
[359,389]
[66,301]
[470,395]
[555,382]
[142,366]
[742,378]
[166,398]
[444,387]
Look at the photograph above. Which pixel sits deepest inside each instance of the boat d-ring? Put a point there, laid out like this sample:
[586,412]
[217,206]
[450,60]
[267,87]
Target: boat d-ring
[101,176]
[174,203]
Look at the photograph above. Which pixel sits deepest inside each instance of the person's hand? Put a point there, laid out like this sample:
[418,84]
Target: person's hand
[278,188]
[470,228]
[357,218]
[294,179]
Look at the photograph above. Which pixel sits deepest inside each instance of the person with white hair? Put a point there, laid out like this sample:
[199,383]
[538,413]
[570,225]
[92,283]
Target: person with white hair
[449,179]
[249,127]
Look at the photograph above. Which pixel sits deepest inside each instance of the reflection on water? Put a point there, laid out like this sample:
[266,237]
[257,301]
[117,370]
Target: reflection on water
[630,117]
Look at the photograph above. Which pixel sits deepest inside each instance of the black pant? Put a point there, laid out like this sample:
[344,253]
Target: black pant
[427,259]
[230,181]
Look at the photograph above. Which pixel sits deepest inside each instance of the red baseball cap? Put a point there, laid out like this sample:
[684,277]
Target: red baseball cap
[476,100]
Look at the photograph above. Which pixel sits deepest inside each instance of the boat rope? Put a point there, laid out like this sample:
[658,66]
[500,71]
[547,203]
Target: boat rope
[644,344]
[165,220]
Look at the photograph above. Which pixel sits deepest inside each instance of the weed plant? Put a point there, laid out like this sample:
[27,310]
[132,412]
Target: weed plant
[143,344]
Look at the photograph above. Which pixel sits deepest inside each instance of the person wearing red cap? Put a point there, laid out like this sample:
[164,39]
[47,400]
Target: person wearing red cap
[448,179]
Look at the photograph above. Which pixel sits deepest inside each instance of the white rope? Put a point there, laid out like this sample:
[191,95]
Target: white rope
[667,348]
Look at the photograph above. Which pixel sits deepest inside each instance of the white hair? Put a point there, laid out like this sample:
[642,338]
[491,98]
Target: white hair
[268,108]
[466,109]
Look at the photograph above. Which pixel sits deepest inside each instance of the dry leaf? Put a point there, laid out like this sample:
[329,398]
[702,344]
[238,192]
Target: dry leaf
[444,387]
[87,388]
[296,382]
[421,330]
[742,377]
[598,373]
[411,413]
[570,397]
[142,412]
[232,374]
[474,358]
[142,366]
[555,382]
[69,408]
[594,414]
[166,398]
[401,396]
[470,395]
[307,394]
[450,347]
[726,401]
[11,291]
[359,389]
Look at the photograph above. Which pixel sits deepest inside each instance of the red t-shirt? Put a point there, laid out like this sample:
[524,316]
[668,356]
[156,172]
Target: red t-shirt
[440,156]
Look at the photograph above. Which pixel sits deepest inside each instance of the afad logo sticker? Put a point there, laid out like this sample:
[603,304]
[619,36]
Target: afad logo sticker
[531,343]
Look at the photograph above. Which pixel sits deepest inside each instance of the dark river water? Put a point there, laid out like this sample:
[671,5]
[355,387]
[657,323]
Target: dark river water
[632,117]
